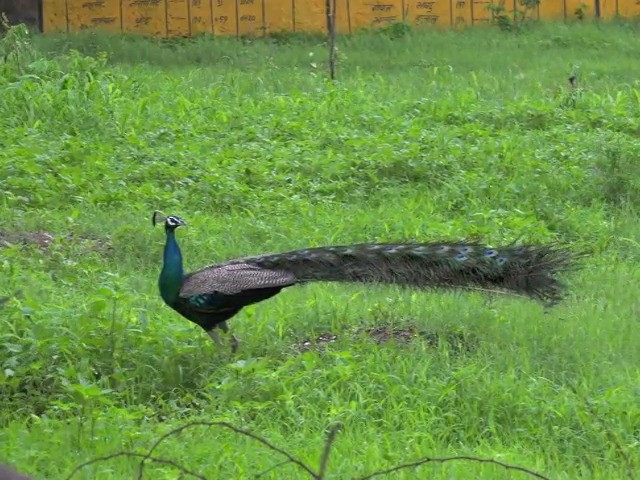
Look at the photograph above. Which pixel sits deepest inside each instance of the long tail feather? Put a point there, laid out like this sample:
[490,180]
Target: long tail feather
[528,269]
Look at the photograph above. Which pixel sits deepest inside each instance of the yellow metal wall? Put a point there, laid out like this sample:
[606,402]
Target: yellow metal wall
[172,18]
[429,12]
[627,8]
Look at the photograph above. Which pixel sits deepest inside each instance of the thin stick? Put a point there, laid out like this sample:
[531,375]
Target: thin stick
[277,465]
[136,455]
[451,459]
[324,459]
[246,433]
[331,25]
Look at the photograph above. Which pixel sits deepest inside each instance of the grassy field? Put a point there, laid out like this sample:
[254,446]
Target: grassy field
[425,135]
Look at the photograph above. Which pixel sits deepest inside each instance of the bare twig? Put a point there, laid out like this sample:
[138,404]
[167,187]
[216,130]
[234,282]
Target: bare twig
[240,431]
[331,436]
[277,465]
[331,27]
[324,459]
[451,459]
[166,461]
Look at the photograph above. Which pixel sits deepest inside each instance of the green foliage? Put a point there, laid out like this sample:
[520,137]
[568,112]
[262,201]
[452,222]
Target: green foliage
[421,137]
[394,30]
[15,48]
[515,19]
[580,11]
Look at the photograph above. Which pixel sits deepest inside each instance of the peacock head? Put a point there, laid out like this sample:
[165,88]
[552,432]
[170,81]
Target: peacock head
[171,222]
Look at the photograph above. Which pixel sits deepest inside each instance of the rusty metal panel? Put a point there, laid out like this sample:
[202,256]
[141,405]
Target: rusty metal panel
[343,22]
[552,9]
[609,8]
[99,14]
[225,17]
[375,13]
[178,24]
[429,12]
[309,16]
[241,17]
[200,16]
[250,17]
[148,17]
[480,13]
[461,13]
[279,15]
[54,16]
[628,8]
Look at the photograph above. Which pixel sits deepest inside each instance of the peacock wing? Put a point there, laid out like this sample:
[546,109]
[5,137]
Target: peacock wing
[234,279]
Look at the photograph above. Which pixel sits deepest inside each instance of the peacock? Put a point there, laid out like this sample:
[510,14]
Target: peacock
[212,295]
[8,473]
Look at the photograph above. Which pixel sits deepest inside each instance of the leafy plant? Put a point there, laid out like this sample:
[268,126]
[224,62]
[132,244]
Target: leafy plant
[581,10]
[16,50]
[511,20]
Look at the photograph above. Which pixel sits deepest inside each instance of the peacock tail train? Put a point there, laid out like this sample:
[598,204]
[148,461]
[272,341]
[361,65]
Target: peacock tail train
[526,269]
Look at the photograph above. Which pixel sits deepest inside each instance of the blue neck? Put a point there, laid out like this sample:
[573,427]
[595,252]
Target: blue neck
[172,274]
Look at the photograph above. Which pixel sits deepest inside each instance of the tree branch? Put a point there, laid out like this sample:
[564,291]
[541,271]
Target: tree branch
[331,436]
[136,455]
[451,459]
[240,431]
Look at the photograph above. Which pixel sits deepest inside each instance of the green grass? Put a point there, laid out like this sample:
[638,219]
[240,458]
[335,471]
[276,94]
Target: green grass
[426,135]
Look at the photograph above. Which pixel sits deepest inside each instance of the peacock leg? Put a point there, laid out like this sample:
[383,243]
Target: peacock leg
[234,343]
[215,336]
[234,340]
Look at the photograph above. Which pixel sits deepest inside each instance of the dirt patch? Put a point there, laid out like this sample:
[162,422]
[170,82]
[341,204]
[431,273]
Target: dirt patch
[386,333]
[456,341]
[317,343]
[44,241]
[40,239]
[90,244]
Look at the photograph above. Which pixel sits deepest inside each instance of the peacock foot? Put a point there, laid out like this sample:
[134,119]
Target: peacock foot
[215,336]
[235,343]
